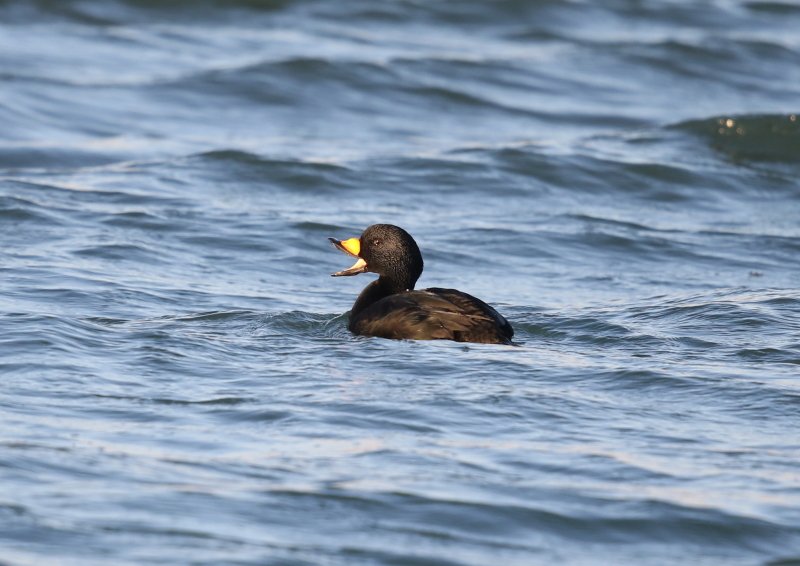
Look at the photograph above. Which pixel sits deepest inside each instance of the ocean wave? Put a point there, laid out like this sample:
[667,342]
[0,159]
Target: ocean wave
[750,137]
[619,180]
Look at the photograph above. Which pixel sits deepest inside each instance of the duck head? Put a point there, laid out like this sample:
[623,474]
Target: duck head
[387,250]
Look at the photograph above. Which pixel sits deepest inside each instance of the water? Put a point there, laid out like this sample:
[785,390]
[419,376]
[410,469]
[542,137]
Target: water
[619,179]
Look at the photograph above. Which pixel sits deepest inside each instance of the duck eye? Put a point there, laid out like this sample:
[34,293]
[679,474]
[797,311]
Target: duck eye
[376,242]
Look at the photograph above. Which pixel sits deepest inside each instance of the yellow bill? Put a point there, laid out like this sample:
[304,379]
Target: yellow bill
[351,247]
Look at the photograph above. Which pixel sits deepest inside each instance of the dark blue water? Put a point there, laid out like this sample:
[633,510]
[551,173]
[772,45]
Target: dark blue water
[620,179]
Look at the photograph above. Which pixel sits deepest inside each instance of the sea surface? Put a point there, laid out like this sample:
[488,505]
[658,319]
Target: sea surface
[177,382]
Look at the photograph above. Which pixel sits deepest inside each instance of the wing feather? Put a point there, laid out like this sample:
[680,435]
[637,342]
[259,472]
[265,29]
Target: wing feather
[433,314]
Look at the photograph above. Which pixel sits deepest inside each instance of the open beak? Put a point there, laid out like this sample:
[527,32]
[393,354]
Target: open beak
[351,247]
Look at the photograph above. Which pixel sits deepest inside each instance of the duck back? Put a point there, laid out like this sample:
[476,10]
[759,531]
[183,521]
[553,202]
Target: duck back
[433,314]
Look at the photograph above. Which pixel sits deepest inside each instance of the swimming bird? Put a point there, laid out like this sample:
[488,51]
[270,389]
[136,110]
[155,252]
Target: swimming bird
[389,307]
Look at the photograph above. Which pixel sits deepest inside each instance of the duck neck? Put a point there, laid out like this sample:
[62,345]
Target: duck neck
[377,290]
[396,283]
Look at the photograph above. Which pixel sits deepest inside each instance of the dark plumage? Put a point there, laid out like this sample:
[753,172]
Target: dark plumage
[390,307]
